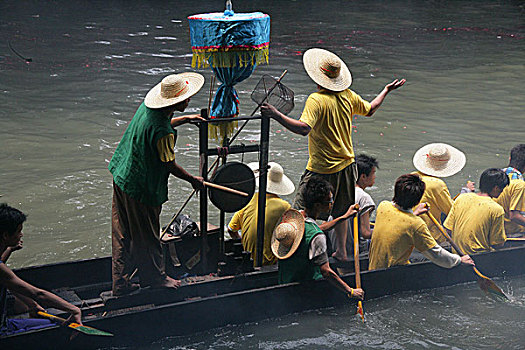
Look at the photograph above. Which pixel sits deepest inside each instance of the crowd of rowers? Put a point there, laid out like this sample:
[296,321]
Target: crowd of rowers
[333,181]
[478,220]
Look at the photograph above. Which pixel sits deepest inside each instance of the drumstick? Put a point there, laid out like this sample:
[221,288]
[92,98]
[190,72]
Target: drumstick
[226,189]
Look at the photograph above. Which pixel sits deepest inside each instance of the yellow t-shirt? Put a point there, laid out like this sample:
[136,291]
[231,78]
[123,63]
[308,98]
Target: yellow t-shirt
[476,223]
[245,220]
[513,198]
[396,233]
[329,114]
[438,197]
[166,148]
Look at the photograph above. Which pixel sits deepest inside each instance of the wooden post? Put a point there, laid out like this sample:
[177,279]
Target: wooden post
[263,171]
[203,193]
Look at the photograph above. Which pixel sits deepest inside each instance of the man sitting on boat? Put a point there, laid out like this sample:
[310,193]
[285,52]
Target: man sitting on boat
[245,220]
[366,170]
[30,297]
[512,199]
[327,120]
[435,161]
[475,220]
[141,165]
[398,229]
[516,166]
[300,243]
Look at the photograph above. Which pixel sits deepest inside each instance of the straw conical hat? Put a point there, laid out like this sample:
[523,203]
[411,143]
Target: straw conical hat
[327,70]
[173,89]
[288,234]
[439,159]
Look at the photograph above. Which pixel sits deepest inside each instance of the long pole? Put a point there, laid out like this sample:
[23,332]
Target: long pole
[261,203]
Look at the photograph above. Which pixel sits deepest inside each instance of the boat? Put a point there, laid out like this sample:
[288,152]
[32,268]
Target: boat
[207,302]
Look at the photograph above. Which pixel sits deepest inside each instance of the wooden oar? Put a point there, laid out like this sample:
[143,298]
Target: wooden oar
[77,327]
[485,283]
[516,239]
[356,263]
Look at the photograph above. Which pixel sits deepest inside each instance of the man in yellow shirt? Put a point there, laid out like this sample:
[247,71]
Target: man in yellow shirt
[475,220]
[245,220]
[327,120]
[434,161]
[512,199]
[399,229]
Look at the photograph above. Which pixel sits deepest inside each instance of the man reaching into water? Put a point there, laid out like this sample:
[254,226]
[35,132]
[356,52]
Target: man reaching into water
[327,120]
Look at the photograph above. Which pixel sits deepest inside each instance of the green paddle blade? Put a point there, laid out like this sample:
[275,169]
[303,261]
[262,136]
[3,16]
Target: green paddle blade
[88,330]
[489,287]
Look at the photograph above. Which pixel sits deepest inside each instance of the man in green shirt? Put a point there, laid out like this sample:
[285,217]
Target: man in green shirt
[141,166]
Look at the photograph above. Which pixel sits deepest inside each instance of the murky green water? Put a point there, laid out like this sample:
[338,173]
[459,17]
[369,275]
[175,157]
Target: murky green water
[63,114]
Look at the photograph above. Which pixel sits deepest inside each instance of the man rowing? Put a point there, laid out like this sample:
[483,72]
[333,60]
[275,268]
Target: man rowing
[327,120]
[300,244]
[475,220]
[433,162]
[399,229]
[29,297]
[141,165]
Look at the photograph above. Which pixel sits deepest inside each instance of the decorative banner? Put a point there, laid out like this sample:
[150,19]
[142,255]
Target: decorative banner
[233,45]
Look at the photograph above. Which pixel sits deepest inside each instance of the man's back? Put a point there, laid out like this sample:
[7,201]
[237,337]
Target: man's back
[438,197]
[329,114]
[396,233]
[513,198]
[246,221]
[476,223]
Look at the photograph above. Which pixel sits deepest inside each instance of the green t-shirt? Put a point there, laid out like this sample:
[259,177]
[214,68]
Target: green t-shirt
[136,165]
[298,267]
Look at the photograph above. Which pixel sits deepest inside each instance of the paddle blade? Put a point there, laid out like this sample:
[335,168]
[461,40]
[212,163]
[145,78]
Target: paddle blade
[360,310]
[88,330]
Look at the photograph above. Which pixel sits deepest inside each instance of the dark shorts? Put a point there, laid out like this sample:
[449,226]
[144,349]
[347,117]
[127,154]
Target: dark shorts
[17,325]
[344,189]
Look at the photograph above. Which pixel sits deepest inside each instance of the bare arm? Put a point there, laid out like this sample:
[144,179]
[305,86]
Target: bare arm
[378,100]
[178,121]
[7,252]
[516,217]
[366,230]
[295,126]
[334,279]
[41,296]
[328,225]
[178,171]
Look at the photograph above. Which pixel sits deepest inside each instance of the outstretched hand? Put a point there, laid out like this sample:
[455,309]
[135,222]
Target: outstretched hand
[351,211]
[269,111]
[197,183]
[395,84]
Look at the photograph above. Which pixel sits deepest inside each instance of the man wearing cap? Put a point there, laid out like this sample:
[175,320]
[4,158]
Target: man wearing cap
[141,165]
[245,220]
[433,161]
[475,220]
[327,120]
[300,243]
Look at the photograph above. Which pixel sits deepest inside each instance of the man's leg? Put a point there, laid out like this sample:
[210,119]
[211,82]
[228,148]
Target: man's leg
[344,196]
[121,241]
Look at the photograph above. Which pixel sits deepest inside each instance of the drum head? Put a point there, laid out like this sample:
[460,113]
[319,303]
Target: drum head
[235,175]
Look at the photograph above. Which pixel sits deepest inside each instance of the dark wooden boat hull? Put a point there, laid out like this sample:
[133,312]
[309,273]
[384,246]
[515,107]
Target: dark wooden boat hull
[241,299]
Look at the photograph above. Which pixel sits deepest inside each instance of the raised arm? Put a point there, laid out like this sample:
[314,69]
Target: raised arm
[178,121]
[378,100]
[295,126]
[328,225]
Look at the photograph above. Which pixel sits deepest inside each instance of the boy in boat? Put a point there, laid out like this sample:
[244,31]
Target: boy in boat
[512,199]
[141,166]
[475,220]
[30,297]
[245,220]
[300,244]
[435,161]
[516,166]
[399,229]
[327,120]
[366,170]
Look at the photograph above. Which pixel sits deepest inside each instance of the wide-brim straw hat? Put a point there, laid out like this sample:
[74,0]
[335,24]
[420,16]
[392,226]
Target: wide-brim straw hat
[439,159]
[288,234]
[277,182]
[327,70]
[173,89]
